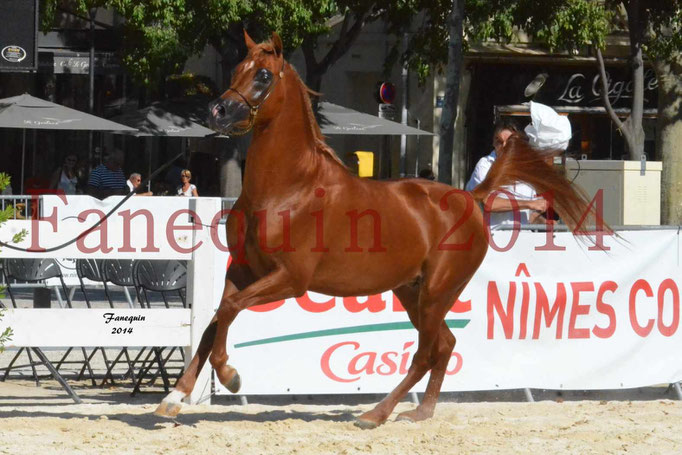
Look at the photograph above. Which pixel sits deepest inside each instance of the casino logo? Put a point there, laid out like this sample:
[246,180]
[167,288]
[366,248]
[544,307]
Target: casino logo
[13,54]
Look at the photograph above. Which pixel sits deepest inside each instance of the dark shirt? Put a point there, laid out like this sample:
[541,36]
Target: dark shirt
[104,182]
[104,178]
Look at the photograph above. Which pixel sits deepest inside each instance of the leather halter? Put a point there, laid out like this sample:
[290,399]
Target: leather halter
[253,109]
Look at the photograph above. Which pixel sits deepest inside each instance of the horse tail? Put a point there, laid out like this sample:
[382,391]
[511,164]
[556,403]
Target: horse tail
[522,163]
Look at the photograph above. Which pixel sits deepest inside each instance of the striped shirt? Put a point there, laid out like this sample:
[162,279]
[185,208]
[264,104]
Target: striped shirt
[104,178]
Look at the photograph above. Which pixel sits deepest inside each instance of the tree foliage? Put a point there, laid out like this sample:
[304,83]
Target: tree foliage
[160,35]
[5,335]
[663,34]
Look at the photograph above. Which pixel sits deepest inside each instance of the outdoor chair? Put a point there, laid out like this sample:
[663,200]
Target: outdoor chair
[165,278]
[91,269]
[37,270]
[33,270]
[119,272]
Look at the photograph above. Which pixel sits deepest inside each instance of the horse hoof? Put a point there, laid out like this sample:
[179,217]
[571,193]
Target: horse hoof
[167,409]
[365,424]
[413,416]
[170,406]
[404,418]
[235,382]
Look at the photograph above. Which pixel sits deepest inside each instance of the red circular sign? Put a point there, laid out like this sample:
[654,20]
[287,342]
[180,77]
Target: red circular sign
[387,92]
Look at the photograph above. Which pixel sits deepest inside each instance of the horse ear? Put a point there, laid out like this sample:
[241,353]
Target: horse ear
[249,42]
[277,43]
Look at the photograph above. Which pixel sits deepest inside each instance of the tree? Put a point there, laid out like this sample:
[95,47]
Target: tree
[453,76]
[567,24]
[654,28]
[161,35]
[664,46]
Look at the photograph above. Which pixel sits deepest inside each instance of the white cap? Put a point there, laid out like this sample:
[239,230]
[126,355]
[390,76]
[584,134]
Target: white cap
[548,129]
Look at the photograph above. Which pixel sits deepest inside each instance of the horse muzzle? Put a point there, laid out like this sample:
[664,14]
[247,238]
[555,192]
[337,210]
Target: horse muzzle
[228,116]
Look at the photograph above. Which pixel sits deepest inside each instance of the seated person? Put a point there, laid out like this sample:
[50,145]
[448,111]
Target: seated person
[108,179]
[133,183]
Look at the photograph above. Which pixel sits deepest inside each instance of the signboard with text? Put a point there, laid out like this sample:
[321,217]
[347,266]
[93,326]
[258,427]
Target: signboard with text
[98,327]
[547,318]
[564,85]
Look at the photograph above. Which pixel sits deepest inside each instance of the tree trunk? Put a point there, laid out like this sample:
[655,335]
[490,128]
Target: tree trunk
[634,122]
[313,77]
[453,73]
[231,167]
[313,71]
[352,25]
[231,48]
[669,137]
[631,129]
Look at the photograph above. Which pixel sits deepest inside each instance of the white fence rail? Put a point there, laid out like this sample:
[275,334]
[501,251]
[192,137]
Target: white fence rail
[143,228]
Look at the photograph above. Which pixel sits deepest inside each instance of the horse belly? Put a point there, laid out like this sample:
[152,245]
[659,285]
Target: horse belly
[363,275]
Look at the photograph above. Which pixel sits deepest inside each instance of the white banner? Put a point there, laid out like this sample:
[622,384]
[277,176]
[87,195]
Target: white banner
[97,327]
[572,319]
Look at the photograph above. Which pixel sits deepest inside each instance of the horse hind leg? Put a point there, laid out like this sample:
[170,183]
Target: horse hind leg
[427,313]
[409,297]
[434,309]
[440,357]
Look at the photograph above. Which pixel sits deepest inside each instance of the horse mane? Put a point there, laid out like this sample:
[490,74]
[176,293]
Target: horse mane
[320,144]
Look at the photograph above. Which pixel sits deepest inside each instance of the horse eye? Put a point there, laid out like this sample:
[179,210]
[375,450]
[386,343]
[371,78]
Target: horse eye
[263,75]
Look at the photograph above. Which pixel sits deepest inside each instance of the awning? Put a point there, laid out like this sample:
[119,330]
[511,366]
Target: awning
[334,119]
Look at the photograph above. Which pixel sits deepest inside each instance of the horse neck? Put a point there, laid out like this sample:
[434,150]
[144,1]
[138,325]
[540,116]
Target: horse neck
[282,155]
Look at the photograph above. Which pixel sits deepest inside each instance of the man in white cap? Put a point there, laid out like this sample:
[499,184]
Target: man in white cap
[548,130]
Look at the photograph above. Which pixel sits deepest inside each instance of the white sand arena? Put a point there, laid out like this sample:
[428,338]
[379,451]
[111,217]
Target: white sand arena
[42,420]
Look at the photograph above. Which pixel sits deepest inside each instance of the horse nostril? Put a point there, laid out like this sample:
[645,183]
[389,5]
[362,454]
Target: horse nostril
[220,111]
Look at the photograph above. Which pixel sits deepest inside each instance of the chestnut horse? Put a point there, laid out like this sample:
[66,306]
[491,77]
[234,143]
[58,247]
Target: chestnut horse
[304,222]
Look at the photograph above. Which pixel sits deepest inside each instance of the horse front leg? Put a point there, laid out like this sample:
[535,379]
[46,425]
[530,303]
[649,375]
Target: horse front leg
[172,403]
[277,285]
[170,406]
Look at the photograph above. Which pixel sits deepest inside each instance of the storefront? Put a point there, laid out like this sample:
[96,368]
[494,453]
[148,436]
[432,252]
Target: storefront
[499,90]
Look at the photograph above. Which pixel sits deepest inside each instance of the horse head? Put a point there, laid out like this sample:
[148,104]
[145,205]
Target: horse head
[255,81]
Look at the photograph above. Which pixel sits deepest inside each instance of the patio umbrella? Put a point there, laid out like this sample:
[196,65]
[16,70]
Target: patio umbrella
[170,119]
[181,117]
[28,112]
[335,119]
